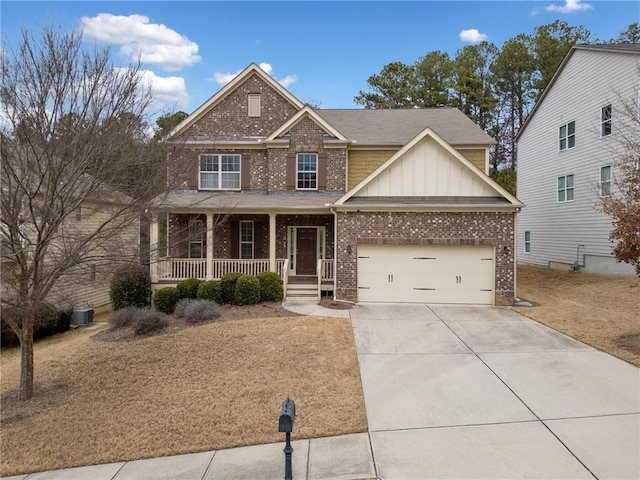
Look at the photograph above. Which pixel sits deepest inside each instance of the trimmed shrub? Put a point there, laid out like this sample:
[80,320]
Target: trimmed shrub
[228,286]
[123,317]
[47,321]
[64,319]
[247,290]
[201,311]
[165,299]
[182,305]
[148,320]
[270,287]
[210,290]
[130,287]
[188,288]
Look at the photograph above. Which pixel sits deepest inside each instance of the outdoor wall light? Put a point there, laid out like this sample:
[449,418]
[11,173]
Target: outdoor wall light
[349,249]
[506,250]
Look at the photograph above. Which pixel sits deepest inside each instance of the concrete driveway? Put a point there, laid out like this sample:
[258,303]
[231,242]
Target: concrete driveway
[482,392]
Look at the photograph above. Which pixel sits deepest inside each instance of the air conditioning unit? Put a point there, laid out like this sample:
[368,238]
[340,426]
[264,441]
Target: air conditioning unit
[82,316]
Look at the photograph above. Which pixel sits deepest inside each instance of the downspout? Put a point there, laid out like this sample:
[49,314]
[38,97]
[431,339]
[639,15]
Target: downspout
[335,251]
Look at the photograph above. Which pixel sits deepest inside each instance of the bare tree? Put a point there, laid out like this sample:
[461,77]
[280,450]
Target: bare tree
[68,116]
[623,203]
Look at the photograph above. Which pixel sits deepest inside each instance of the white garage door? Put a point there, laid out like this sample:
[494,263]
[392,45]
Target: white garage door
[426,274]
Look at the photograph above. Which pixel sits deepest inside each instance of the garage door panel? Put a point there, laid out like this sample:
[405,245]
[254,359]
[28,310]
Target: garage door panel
[425,274]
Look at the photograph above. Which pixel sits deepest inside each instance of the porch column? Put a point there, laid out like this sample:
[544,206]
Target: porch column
[272,242]
[154,265]
[209,246]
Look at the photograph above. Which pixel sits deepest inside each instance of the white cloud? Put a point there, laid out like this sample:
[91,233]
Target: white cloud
[170,90]
[569,6]
[150,42]
[472,36]
[224,78]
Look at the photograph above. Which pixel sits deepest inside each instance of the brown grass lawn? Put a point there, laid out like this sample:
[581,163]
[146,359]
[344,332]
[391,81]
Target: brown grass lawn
[199,388]
[600,310]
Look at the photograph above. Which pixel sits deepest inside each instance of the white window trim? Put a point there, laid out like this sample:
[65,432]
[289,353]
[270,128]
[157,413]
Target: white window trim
[610,181]
[195,242]
[603,122]
[527,242]
[573,188]
[242,242]
[219,172]
[575,133]
[306,171]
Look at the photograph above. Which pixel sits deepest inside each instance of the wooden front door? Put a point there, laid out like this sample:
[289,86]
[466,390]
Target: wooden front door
[307,247]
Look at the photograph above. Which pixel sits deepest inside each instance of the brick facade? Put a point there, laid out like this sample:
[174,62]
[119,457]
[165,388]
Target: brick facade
[425,228]
[230,116]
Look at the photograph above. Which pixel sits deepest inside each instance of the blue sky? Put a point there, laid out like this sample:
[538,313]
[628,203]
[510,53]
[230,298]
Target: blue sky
[323,52]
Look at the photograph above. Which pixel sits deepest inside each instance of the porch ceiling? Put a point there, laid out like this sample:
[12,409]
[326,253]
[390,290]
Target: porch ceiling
[244,201]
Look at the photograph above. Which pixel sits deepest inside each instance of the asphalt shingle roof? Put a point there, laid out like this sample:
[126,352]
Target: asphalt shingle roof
[399,126]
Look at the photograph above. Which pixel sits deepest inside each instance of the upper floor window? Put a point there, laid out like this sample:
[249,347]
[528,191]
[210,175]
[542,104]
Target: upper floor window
[219,172]
[527,241]
[605,181]
[565,188]
[307,171]
[254,104]
[605,120]
[567,136]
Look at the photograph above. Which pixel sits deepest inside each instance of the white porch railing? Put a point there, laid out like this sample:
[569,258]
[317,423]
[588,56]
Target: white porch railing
[248,267]
[327,270]
[176,269]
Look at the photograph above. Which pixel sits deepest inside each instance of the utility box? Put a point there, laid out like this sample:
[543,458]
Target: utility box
[82,316]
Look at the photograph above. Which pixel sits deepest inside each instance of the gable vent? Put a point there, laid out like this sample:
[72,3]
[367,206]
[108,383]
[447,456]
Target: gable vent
[254,105]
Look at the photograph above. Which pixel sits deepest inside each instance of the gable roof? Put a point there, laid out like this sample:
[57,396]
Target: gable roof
[398,126]
[307,112]
[614,48]
[430,133]
[252,69]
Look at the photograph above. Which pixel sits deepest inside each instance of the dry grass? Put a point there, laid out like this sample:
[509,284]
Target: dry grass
[600,310]
[207,387]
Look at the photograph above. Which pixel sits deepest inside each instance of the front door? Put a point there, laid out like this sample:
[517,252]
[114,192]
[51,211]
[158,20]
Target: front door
[307,248]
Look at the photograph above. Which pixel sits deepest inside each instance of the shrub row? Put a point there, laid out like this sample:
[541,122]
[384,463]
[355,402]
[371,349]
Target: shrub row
[48,321]
[232,288]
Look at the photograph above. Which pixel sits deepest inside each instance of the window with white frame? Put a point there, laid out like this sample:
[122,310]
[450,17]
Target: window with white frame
[605,120]
[527,241]
[307,171]
[565,188]
[219,172]
[567,136]
[196,238]
[246,239]
[605,181]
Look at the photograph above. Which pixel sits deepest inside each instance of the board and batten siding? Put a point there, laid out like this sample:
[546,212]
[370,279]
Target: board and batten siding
[589,81]
[428,169]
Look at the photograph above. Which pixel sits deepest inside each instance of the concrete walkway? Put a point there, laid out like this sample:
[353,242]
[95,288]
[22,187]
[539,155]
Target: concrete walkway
[450,392]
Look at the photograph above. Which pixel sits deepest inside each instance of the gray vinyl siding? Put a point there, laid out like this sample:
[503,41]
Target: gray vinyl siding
[589,81]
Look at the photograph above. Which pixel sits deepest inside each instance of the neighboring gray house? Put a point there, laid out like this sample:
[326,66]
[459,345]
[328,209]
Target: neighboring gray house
[372,205]
[567,155]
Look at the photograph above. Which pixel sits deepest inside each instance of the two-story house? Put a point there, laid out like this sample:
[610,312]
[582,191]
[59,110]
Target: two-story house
[567,153]
[372,205]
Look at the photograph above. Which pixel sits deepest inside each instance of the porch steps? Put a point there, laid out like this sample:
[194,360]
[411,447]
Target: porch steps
[302,289]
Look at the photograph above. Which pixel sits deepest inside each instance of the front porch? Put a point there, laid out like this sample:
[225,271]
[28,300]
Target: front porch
[206,247]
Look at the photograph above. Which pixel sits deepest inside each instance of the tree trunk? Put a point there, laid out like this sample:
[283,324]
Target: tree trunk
[26,364]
